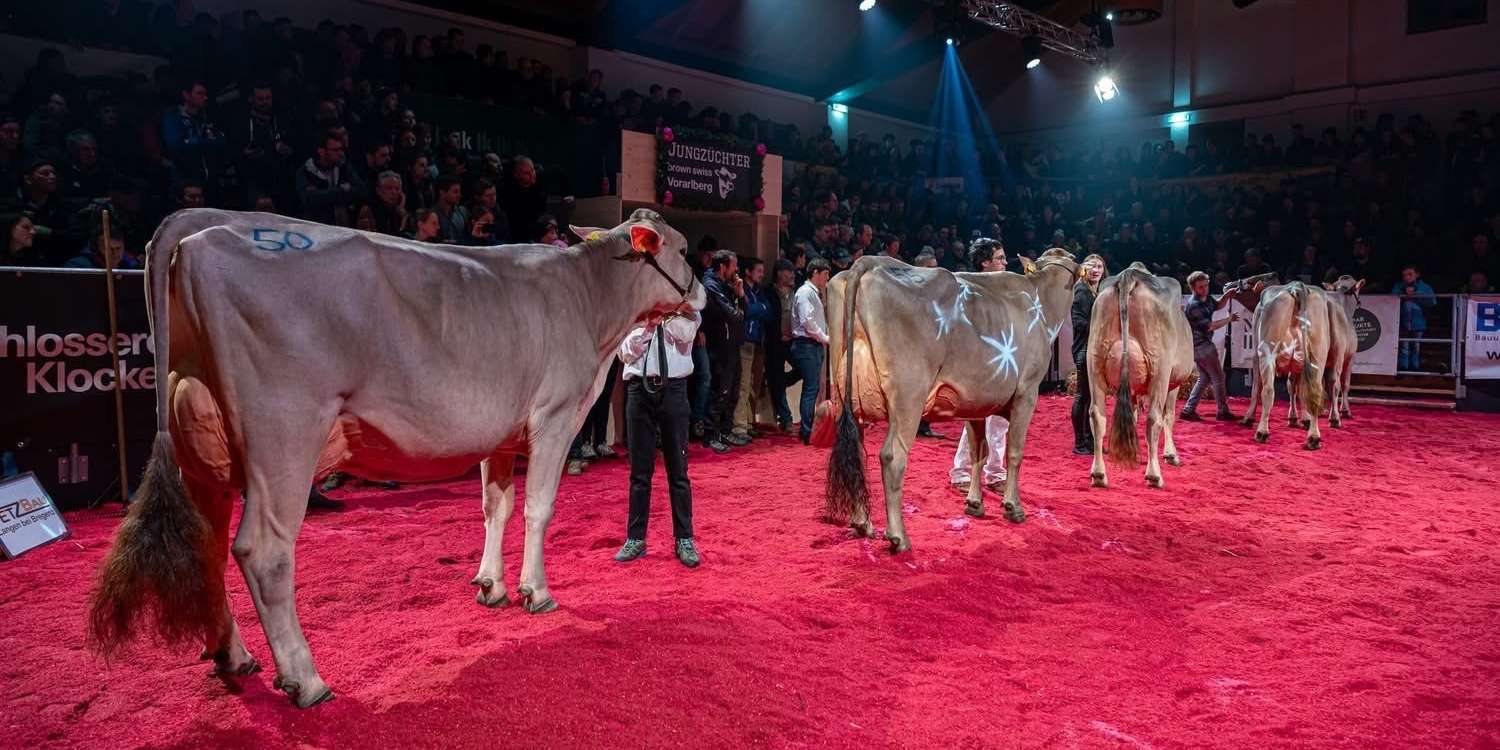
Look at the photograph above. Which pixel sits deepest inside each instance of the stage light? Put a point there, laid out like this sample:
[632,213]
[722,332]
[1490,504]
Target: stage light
[1105,88]
[842,109]
[950,41]
[1178,118]
[865,5]
[1031,50]
[1109,16]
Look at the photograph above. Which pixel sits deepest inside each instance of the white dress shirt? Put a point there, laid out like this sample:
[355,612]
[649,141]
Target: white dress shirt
[808,319]
[640,353]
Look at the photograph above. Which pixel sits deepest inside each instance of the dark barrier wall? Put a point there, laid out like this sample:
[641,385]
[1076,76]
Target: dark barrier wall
[57,381]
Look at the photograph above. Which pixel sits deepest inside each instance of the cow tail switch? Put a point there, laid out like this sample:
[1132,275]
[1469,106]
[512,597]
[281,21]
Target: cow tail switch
[848,490]
[1122,433]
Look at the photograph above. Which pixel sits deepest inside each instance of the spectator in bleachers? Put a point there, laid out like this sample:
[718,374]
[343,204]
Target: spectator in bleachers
[38,197]
[92,254]
[389,206]
[1417,298]
[489,224]
[47,127]
[425,226]
[524,199]
[418,183]
[84,178]
[191,140]
[18,241]
[11,153]
[452,216]
[325,187]
[260,142]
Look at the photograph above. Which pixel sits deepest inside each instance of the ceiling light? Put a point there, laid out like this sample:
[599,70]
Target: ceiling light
[865,5]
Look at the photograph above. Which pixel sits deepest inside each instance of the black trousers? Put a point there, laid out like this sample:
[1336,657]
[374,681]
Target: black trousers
[1083,432]
[724,385]
[596,424]
[648,415]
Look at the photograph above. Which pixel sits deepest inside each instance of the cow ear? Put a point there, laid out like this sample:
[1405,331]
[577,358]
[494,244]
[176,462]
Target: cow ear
[1328,286]
[1358,285]
[587,233]
[644,239]
[1028,266]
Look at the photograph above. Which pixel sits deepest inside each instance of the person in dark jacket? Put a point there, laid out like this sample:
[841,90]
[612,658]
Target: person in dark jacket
[1083,311]
[781,293]
[324,185]
[723,330]
[758,318]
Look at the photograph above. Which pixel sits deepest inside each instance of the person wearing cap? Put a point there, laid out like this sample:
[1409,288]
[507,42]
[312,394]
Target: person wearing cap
[39,198]
[658,358]
[986,255]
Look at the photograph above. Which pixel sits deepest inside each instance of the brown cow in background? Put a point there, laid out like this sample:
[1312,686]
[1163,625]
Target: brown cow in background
[1292,339]
[1139,346]
[1342,343]
[912,343]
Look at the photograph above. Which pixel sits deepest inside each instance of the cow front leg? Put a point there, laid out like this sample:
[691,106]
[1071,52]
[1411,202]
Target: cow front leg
[1249,418]
[979,451]
[279,470]
[497,478]
[1021,409]
[543,473]
[893,457]
[1169,417]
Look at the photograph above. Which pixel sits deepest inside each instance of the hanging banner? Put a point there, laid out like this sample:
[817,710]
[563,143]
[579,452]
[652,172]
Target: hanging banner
[1377,330]
[1482,338]
[57,380]
[708,171]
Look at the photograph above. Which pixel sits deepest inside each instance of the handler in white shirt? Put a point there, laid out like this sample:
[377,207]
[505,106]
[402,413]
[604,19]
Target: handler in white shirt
[809,341]
[658,359]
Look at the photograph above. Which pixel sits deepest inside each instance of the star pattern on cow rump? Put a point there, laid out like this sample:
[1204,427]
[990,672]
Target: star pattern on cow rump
[944,318]
[1052,332]
[1005,352]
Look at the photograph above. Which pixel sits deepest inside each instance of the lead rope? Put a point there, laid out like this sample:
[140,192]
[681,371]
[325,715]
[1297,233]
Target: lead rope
[661,362]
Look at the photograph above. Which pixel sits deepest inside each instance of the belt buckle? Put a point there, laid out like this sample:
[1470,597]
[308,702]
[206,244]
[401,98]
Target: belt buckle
[655,381]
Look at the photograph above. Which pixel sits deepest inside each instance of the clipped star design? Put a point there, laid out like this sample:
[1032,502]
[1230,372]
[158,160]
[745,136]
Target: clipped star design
[967,290]
[1052,332]
[944,319]
[1005,352]
[1036,311]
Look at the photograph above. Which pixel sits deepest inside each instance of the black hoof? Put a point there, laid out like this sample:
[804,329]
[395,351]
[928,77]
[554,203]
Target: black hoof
[1098,480]
[976,511]
[1015,513]
[1246,422]
[1293,423]
[1261,437]
[1304,424]
[1174,460]
[1313,444]
[486,597]
[898,544]
[866,530]
[1154,482]
[536,607]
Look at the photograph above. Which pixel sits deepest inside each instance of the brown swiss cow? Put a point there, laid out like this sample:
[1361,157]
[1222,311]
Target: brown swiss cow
[1292,340]
[1140,347]
[1342,343]
[912,343]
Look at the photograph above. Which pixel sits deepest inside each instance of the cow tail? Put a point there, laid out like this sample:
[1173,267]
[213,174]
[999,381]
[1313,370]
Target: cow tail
[847,489]
[1122,430]
[1310,390]
[164,566]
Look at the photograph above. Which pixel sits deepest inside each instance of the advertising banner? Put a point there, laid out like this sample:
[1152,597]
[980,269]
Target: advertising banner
[707,171]
[1482,338]
[1377,328]
[28,519]
[57,379]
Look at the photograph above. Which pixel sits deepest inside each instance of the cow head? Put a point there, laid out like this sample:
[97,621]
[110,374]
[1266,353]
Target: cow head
[1054,258]
[1345,285]
[646,238]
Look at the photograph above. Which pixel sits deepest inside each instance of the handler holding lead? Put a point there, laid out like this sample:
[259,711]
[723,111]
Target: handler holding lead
[658,357]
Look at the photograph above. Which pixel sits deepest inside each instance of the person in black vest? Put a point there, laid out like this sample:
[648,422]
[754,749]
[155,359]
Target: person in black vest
[724,331]
[658,357]
[1083,311]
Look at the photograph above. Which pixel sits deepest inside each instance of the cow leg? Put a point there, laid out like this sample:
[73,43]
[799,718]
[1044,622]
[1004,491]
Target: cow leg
[1169,452]
[1267,391]
[1098,474]
[979,450]
[1156,400]
[496,475]
[224,646]
[1249,418]
[1334,387]
[893,457]
[1021,408]
[1291,407]
[1314,435]
[1348,374]
[543,473]
[282,447]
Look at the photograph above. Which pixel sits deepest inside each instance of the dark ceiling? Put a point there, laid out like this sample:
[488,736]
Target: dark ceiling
[825,49]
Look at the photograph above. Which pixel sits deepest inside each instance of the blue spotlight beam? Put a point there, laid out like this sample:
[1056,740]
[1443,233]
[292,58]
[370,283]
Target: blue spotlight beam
[954,113]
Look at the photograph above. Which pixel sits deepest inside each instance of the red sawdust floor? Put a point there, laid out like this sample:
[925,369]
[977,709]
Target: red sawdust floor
[1269,597]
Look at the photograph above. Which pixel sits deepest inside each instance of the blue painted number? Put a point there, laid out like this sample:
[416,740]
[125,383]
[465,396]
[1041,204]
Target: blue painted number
[267,239]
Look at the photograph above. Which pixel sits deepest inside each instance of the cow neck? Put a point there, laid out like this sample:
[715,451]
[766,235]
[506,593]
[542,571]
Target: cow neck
[1057,299]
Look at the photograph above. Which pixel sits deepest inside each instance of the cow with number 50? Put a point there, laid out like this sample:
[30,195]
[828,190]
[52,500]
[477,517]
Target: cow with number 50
[286,349]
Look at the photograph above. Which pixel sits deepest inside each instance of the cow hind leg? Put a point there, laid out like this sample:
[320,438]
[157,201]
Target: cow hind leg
[1098,474]
[1155,423]
[1291,407]
[224,645]
[499,490]
[979,450]
[280,456]
[544,471]
[893,458]
[1169,417]
[1267,397]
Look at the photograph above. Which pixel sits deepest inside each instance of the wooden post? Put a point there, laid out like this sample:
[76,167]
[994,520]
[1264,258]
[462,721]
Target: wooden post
[114,356]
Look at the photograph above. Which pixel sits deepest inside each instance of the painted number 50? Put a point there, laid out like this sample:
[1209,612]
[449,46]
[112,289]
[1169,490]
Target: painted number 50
[280,239]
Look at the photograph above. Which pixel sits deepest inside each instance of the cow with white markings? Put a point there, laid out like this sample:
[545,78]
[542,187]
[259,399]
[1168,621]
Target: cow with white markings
[1292,341]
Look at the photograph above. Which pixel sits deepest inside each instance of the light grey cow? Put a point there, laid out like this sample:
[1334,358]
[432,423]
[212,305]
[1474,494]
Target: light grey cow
[1292,340]
[286,349]
[1343,299]
[908,344]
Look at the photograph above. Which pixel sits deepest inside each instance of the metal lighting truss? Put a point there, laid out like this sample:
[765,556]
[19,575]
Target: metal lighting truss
[1013,19]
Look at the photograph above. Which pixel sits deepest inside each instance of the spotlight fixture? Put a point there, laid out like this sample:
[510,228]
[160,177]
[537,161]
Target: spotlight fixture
[950,41]
[840,108]
[1109,17]
[865,5]
[1031,50]
[1105,87]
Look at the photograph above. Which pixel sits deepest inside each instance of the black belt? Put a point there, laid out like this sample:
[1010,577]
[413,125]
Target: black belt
[657,379]
[808,339]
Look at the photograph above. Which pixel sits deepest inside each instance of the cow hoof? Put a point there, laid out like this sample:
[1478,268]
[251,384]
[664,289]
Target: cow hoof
[1154,482]
[899,544]
[226,667]
[1336,424]
[1261,437]
[1292,422]
[1304,424]
[1015,513]
[974,509]
[528,595]
[1174,460]
[303,698]
[1247,421]
[488,593]
[866,529]
[1098,480]
[1313,444]
[1347,414]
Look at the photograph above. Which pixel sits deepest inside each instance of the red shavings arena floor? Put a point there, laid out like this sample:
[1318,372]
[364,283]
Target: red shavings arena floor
[1269,597]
